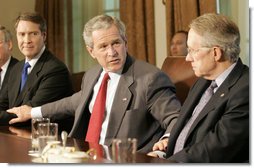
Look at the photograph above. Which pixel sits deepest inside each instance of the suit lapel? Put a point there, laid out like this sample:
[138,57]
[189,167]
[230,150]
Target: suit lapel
[31,77]
[15,90]
[220,94]
[87,89]
[121,101]
[11,64]
[190,104]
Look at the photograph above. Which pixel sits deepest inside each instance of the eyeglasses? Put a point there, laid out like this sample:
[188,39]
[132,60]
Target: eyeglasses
[194,52]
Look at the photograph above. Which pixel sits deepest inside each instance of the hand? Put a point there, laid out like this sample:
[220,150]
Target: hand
[23,113]
[21,132]
[153,154]
[159,154]
[161,145]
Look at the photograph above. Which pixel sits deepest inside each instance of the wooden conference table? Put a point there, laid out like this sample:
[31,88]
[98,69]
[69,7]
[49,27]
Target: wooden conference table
[15,143]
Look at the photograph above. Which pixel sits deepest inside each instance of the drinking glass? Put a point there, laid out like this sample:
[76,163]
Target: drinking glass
[124,150]
[35,134]
[47,132]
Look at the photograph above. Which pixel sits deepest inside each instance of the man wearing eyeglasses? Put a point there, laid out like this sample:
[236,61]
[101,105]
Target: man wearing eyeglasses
[213,125]
[6,60]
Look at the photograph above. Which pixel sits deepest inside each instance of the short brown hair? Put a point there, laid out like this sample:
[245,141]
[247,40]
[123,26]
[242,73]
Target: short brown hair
[32,17]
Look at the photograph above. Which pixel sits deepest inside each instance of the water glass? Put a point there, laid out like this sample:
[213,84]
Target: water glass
[124,150]
[47,132]
[35,134]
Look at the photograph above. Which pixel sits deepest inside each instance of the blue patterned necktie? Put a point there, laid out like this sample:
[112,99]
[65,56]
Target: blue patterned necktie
[204,99]
[24,75]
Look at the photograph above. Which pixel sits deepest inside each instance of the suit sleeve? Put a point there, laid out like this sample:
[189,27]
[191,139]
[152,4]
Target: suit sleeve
[162,101]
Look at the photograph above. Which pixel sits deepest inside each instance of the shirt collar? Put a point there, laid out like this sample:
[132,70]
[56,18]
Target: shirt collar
[33,61]
[220,79]
[5,66]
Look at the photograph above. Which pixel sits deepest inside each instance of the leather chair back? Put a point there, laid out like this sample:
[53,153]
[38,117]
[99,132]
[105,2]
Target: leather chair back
[181,74]
[77,80]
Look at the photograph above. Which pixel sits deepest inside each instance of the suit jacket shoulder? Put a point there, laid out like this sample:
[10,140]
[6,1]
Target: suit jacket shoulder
[13,61]
[48,81]
[214,135]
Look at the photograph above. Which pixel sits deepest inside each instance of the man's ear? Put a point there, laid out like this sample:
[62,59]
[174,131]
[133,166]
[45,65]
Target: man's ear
[217,53]
[44,36]
[90,50]
[10,45]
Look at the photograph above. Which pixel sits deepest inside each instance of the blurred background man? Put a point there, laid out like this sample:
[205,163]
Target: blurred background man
[6,60]
[179,43]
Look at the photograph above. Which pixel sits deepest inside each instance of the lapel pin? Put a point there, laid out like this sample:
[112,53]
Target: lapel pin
[222,95]
[124,99]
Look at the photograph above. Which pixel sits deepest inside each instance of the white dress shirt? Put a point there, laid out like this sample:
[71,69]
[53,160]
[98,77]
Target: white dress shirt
[33,61]
[4,70]
[111,90]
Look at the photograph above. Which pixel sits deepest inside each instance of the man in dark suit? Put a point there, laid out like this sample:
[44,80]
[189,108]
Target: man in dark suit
[6,60]
[220,131]
[140,99]
[48,78]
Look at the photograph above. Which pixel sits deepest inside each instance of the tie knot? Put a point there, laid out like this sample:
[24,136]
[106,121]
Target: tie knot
[27,65]
[213,85]
[106,77]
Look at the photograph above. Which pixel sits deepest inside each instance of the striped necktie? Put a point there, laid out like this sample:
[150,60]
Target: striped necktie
[204,99]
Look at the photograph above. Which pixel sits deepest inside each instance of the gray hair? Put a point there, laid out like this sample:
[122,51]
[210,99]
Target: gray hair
[102,22]
[218,30]
[7,34]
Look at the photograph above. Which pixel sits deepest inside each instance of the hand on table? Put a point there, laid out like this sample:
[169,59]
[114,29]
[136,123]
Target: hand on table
[23,114]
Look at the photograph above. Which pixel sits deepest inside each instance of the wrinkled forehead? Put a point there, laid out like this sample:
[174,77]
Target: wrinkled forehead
[106,34]
[194,39]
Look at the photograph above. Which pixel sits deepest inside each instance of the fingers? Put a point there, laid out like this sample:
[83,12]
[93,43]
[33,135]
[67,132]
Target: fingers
[13,110]
[14,120]
[161,145]
[152,154]
[158,146]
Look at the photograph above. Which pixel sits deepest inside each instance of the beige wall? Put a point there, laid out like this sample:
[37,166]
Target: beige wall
[160,32]
[239,13]
[9,11]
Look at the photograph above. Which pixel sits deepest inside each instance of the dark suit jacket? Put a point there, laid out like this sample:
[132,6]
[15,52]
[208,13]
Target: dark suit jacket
[13,61]
[48,81]
[144,105]
[221,132]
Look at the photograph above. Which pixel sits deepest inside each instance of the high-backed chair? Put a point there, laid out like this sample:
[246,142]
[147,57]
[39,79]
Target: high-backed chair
[77,80]
[181,74]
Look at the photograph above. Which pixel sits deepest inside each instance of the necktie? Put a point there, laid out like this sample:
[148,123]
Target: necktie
[96,150]
[24,75]
[94,128]
[204,99]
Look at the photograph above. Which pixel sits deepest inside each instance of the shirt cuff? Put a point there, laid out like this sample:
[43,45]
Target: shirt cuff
[36,112]
[165,136]
[160,154]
